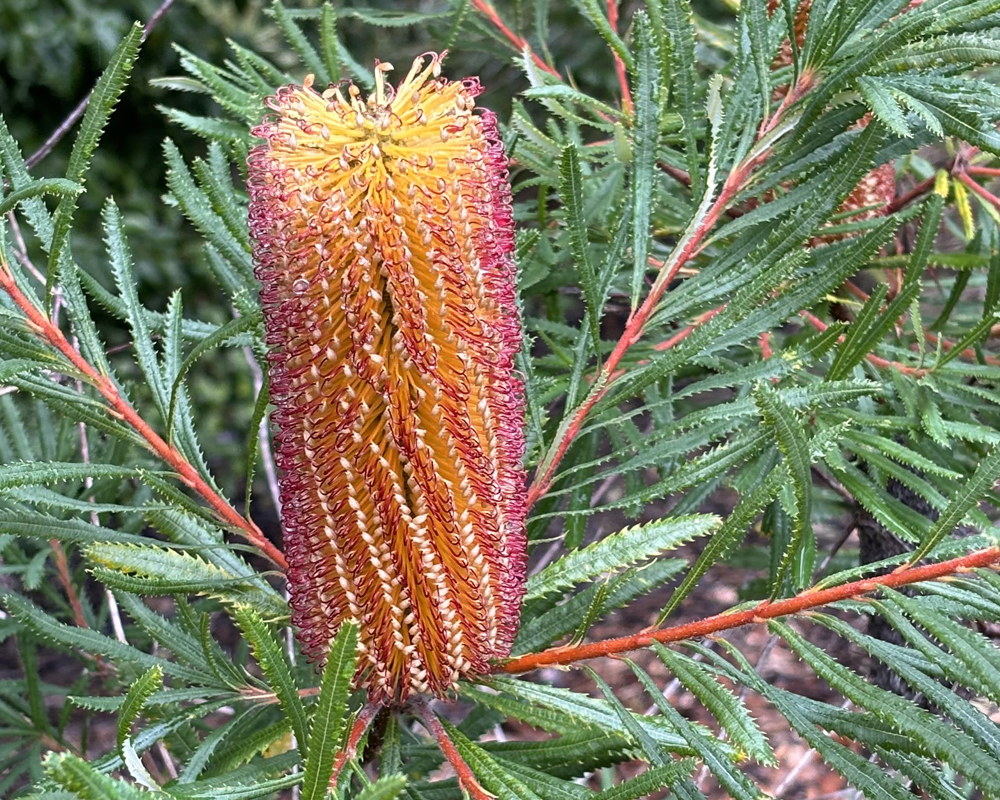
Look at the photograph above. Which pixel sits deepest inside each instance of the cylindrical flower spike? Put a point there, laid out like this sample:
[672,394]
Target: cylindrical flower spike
[383,237]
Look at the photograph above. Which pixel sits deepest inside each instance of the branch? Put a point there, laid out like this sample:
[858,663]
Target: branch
[878,361]
[522,45]
[689,246]
[988,196]
[762,612]
[50,333]
[361,724]
[466,779]
[62,570]
[620,70]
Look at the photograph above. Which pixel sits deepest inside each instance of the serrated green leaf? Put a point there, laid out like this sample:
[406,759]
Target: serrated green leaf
[120,258]
[593,11]
[939,739]
[861,773]
[186,647]
[387,787]
[102,101]
[754,20]
[645,140]
[197,207]
[735,783]
[537,632]
[679,27]
[972,338]
[331,712]
[654,754]
[725,707]
[571,194]
[44,473]
[234,730]
[883,103]
[89,641]
[565,711]
[796,457]
[648,782]
[275,666]
[251,782]
[152,570]
[728,537]
[972,659]
[150,681]
[76,775]
[972,491]
[60,187]
[328,40]
[619,550]
[217,338]
[493,777]
[300,44]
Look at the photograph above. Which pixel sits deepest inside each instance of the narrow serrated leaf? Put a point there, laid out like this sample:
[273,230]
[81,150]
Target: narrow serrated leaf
[737,785]
[102,101]
[275,666]
[725,706]
[972,491]
[617,551]
[795,451]
[147,683]
[328,722]
[645,139]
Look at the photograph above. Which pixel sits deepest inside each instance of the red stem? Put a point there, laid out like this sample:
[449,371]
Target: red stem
[490,13]
[620,70]
[361,724]
[988,196]
[903,200]
[878,361]
[683,333]
[66,579]
[762,612]
[634,329]
[466,777]
[120,407]
[946,344]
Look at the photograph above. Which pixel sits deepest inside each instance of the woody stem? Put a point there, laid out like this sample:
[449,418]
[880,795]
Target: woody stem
[49,332]
[490,13]
[767,610]
[361,724]
[466,778]
[687,249]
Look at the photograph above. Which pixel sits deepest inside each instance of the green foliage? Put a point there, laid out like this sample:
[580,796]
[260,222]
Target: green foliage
[726,367]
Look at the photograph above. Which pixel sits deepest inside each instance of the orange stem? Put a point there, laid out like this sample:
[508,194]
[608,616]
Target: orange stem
[634,330]
[121,408]
[490,13]
[762,612]
[466,777]
[361,724]
[878,361]
[620,70]
[62,569]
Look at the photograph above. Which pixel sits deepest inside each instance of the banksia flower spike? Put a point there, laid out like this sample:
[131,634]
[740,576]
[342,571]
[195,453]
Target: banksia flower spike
[383,237]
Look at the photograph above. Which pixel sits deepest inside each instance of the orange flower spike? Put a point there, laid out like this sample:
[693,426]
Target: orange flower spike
[383,236]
